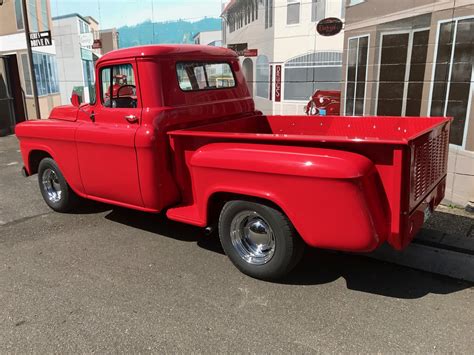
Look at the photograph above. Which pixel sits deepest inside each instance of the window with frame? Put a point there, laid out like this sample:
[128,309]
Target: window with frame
[195,76]
[357,56]
[293,12]
[118,87]
[46,73]
[318,10]
[310,72]
[31,5]
[26,74]
[454,76]
[19,15]
[262,77]
[44,15]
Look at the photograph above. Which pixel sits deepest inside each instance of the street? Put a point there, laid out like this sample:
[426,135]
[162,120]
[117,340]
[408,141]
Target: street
[107,279]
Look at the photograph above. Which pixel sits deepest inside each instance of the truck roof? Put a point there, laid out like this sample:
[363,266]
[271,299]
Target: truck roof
[188,51]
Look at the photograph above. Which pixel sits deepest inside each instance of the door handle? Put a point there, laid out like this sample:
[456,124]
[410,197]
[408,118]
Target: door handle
[131,118]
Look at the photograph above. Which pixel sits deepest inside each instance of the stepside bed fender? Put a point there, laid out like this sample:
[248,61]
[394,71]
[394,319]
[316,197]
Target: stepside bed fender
[322,191]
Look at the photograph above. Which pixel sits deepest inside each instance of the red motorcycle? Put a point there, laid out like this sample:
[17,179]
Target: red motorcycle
[324,102]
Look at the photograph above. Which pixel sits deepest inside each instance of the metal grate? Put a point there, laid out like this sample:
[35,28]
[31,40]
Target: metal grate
[430,163]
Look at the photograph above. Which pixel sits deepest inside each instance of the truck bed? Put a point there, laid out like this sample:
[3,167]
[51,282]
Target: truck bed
[409,154]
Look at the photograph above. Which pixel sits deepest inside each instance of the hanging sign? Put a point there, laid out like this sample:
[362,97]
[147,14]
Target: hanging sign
[330,26]
[277,83]
[97,44]
[251,53]
[40,39]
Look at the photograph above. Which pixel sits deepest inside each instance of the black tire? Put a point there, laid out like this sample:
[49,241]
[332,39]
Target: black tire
[287,246]
[66,200]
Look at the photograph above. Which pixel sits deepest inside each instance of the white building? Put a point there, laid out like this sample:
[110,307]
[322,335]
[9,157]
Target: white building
[208,38]
[73,36]
[291,60]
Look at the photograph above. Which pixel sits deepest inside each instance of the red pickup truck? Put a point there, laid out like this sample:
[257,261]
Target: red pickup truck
[177,139]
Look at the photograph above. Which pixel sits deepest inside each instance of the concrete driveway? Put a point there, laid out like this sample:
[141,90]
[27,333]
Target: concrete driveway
[107,279]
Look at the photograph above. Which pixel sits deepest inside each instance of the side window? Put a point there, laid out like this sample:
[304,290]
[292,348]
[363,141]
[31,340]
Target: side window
[117,86]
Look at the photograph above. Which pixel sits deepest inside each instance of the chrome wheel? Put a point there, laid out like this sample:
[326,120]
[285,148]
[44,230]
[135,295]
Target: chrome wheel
[252,238]
[51,185]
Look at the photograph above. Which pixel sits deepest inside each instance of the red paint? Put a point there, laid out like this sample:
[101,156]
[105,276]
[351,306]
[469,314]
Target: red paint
[346,183]
[277,83]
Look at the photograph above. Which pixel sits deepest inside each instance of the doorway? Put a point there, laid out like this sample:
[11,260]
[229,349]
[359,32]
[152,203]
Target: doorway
[12,102]
[248,73]
[402,72]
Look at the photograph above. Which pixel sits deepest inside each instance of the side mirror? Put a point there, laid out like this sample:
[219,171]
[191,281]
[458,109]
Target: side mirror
[75,99]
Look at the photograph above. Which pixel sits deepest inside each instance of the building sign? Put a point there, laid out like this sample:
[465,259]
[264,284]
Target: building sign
[238,48]
[329,26]
[251,53]
[97,44]
[277,83]
[86,39]
[40,39]
[86,54]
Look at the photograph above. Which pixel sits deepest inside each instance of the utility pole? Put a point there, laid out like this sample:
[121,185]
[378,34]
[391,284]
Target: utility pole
[30,57]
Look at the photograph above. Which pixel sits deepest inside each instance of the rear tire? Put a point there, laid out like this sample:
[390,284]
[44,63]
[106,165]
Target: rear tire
[259,240]
[53,186]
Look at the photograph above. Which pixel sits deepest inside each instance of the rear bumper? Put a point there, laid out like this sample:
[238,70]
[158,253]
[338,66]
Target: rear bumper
[413,222]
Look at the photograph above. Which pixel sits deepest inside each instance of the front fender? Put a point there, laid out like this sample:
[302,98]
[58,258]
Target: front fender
[330,196]
[57,138]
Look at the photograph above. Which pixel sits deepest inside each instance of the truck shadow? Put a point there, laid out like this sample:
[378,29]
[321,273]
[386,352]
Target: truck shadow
[317,267]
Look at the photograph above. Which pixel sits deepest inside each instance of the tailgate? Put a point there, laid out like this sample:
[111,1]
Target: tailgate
[428,162]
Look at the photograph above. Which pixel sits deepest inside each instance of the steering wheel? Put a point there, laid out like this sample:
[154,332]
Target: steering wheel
[133,102]
[126,86]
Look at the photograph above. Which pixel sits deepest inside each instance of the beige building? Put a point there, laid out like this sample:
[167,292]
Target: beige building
[109,40]
[415,58]
[16,91]
[283,57]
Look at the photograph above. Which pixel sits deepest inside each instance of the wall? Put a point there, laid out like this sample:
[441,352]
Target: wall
[68,54]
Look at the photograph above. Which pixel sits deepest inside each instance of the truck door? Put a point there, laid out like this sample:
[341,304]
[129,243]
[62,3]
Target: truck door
[106,139]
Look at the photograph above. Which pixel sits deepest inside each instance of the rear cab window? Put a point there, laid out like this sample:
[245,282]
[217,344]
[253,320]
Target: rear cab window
[196,76]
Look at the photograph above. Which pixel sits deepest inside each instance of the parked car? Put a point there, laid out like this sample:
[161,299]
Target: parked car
[324,102]
[269,184]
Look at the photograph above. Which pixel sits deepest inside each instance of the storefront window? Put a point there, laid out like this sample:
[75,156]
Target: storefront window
[263,76]
[46,73]
[310,72]
[451,90]
[356,75]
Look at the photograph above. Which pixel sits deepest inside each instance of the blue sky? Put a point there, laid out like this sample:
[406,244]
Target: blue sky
[116,13]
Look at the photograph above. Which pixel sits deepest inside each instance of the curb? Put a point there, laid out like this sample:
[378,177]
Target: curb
[454,259]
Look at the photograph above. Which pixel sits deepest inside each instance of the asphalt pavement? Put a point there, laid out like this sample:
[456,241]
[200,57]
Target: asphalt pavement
[106,279]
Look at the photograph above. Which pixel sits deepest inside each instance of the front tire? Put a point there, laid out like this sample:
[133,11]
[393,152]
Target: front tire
[259,239]
[53,186]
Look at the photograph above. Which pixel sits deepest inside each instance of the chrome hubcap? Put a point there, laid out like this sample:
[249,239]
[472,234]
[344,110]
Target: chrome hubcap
[252,238]
[51,185]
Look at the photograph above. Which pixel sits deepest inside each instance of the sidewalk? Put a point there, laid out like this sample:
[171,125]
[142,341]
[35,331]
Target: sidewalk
[445,246]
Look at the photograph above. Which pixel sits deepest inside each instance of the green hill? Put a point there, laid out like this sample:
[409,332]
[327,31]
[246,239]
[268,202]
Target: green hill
[165,32]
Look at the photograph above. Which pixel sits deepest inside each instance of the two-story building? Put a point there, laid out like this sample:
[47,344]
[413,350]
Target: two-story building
[415,58]
[16,89]
[284,59]
[73,36]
